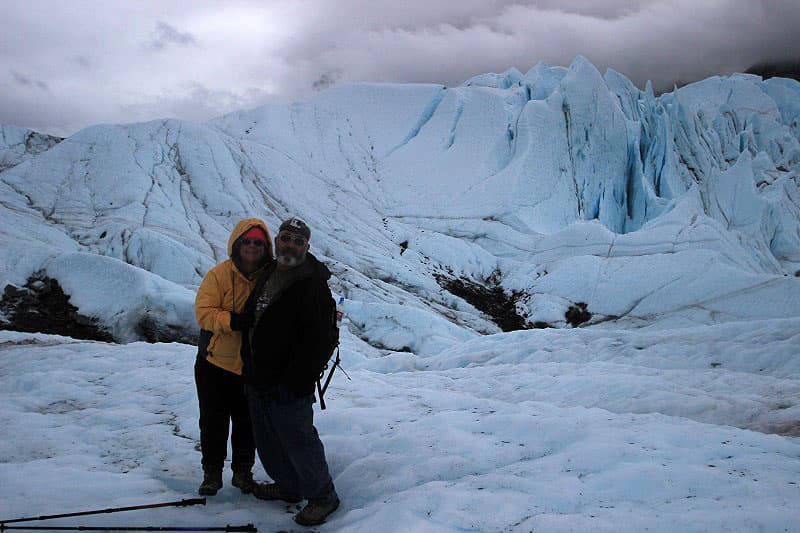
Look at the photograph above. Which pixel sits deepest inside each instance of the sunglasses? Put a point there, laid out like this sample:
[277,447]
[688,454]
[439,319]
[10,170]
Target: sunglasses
[255,242]
[298,241]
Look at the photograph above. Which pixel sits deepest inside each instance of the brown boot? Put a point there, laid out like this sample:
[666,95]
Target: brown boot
[212,482]
[315,513]
[243,481]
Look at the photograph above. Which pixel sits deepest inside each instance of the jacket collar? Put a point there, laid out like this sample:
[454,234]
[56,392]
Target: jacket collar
[310,268]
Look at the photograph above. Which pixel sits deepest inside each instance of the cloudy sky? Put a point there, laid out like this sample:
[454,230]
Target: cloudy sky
[68,64]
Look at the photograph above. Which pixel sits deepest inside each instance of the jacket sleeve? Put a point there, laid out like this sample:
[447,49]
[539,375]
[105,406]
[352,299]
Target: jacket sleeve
[208,306]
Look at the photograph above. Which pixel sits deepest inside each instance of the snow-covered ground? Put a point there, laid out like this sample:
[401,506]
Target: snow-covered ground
[544,430]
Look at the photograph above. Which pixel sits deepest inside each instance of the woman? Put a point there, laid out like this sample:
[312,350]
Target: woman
[218,369]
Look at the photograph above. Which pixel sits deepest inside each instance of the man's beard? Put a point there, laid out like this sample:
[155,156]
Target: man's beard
[291,260]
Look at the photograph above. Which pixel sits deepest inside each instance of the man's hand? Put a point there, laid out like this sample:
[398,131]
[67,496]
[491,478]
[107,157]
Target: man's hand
[241,321]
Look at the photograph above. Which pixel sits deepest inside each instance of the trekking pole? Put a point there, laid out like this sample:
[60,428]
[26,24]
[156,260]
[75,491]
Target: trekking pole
[248,528]
[323,388]
[181,503]
[337,363]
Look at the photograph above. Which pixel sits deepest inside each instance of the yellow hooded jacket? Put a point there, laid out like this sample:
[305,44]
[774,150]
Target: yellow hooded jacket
[224,290]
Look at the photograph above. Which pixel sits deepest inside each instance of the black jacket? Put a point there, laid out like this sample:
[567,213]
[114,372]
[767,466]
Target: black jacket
[288,346]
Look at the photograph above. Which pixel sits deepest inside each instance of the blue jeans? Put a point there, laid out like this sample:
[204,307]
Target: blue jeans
[288,443]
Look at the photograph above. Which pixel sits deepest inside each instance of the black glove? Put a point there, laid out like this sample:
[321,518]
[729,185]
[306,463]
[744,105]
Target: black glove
[241,321]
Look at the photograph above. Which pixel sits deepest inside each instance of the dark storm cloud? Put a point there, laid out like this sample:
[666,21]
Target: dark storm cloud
[326,80]
[215,57]
[25,81]
[165,35]
[666,41]
[82,61]
[602,9]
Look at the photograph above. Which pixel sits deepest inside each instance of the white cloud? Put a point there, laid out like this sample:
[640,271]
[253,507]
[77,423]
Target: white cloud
[67,65]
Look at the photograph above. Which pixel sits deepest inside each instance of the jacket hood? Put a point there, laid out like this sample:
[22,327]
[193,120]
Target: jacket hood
[242,227]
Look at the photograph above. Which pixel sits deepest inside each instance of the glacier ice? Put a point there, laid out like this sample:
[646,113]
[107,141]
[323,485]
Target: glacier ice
[562,184]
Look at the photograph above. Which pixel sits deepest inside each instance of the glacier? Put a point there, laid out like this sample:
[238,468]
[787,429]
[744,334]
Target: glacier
[670,224]
[558,186]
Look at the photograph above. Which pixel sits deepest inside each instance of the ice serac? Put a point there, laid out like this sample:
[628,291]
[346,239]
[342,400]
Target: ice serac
[545,190]
[597,140]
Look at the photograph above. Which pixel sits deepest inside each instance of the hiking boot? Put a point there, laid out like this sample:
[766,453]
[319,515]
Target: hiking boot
[243,481]
[271,491]
[212,482]
[315,513]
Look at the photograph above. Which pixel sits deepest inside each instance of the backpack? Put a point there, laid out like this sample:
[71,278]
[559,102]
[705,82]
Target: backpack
[331,346]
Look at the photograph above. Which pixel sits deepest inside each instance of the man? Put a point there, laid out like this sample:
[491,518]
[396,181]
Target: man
[284,355]
[220,390]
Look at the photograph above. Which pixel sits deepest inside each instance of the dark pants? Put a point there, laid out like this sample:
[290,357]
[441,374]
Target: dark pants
[288,443]
[222,399]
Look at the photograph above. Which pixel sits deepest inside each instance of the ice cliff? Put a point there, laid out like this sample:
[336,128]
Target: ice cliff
[548,189]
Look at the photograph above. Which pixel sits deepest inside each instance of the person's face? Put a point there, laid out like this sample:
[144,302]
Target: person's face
[252,251]
[291,246]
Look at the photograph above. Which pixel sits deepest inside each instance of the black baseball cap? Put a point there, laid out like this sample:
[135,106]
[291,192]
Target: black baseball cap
[296,225]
